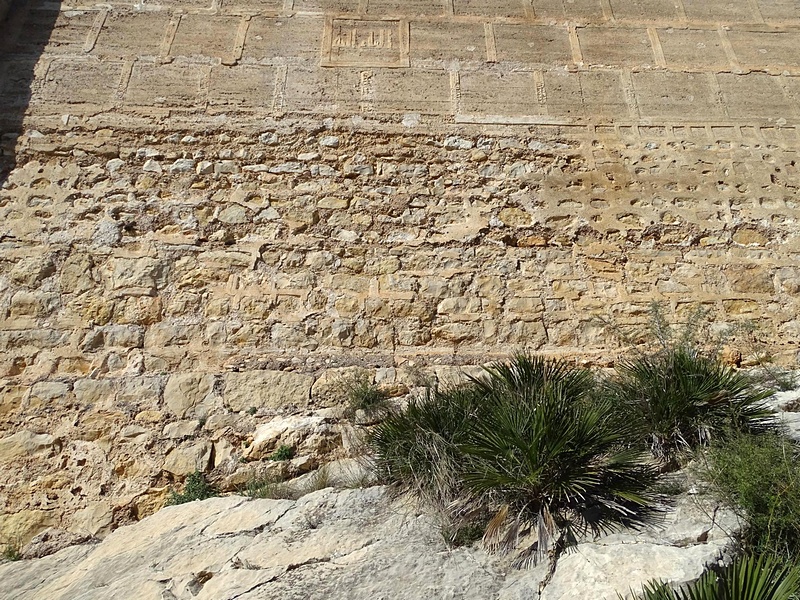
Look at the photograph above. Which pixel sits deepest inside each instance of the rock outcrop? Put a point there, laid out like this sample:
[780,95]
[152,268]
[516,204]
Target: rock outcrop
[349,544]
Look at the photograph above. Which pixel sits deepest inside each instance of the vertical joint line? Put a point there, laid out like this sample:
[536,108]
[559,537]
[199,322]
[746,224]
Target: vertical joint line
[238,45]
[169,36]
[630,94]
[726,46]
[455,91]
[528,9]
[681,11]
[794,99]
[279,99]
[541,91]
[449,8]
[753,4]
[608,12]
[575,45]
[94,32]
[124,79]
[655,44]
[405,43]
[362,7]
[713,83]
[491,43]
[288,7]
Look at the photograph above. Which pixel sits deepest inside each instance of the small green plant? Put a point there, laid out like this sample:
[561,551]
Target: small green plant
[252,410]
[365,396]
[760,478]
[282,452]
[196,488]
[11,552]
[747,578]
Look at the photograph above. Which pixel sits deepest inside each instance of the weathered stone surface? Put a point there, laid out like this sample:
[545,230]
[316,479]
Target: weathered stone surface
[188,458]
[346,544]
[186,392]
[334,386]
[94,520]
[51,541]
[304,434]
[25,443]
[266,389]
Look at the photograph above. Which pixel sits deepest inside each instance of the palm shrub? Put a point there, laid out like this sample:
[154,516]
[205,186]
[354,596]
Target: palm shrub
[682,399]
[528,444]
[747,578]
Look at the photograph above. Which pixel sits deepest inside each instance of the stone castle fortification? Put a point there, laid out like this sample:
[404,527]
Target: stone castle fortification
[213,206]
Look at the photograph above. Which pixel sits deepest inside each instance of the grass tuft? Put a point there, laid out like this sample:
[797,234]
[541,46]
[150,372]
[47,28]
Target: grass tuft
[760,478]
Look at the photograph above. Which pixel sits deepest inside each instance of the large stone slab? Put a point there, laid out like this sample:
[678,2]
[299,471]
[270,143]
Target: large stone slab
[340,545]
[266,389]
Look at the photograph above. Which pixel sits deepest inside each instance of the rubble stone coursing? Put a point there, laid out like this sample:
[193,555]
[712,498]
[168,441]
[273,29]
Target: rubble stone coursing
[207,210]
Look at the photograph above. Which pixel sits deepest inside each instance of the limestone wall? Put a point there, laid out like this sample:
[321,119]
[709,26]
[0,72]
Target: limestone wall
[304,245]
[209,207]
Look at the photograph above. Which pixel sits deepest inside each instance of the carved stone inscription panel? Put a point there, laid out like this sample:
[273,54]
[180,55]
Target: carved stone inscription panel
[365,43]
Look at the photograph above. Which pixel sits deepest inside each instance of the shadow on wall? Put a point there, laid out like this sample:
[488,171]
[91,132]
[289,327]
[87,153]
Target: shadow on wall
[25,28]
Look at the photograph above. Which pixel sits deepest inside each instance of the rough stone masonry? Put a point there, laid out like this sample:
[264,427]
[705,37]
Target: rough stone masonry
[207,205]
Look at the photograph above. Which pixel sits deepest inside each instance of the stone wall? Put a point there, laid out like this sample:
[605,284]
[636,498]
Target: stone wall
[303,245]
[210,209]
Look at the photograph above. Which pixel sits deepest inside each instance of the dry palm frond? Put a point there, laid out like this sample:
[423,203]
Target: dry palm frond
[493,534]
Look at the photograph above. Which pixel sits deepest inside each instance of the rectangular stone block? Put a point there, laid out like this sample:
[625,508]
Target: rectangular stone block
[15,82]
[295,37]
[719,11]
[504,94]
[682,96]
[766,49]
[694,48]
[405,8]
[644,10]
[447,41]
[539,44]
[581,11]
[604,94]
[597,95]
[205,35]
[779,10]
[242,86]
[56,32]
[82,82]
[180,4]
[266,389]
[616,47]
[755,96]
[131,34]
[323,90]
[489,8]
[176,84]
[335,7]
[426,92]
[253,6]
